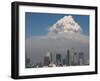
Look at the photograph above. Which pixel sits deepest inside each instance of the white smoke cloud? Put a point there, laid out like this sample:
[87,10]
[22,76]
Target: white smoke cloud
[65,25]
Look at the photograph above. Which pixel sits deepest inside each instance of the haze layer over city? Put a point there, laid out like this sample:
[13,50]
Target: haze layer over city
[64,43]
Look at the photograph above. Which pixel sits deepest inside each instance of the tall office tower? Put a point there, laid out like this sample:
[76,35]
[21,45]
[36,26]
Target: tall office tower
[27,61]
[49,54]
[67,58]
[81,58]
[75,59]
[51,59]
[64,61]
[71,60]
[47,59]
[58,60]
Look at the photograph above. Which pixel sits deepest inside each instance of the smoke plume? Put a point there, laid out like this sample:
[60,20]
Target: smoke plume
[65,24]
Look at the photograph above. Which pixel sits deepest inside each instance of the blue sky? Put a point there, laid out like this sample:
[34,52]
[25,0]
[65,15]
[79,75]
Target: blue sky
[37,24]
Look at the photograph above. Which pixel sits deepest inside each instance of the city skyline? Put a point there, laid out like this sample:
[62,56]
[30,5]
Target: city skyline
[71,58]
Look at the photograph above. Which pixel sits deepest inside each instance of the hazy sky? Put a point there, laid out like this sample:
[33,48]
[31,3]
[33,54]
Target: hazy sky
[39,39]
[37,24]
